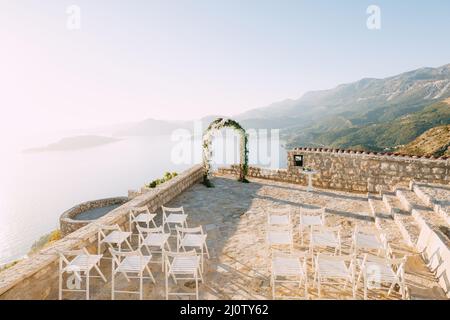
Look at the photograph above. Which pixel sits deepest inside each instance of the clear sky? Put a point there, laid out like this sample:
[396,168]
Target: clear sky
[189,58]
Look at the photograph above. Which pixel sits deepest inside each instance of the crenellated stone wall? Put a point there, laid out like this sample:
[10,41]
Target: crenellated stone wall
[355,171]
[36,277]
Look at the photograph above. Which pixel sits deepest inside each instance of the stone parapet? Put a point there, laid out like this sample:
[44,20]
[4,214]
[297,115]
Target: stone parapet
[355,171]
[67,221]
[36,277]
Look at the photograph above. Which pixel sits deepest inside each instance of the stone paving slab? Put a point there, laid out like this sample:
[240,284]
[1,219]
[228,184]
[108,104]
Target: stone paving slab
[235,216]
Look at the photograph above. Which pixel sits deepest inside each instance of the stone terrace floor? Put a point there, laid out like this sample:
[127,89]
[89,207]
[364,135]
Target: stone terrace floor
[234,217]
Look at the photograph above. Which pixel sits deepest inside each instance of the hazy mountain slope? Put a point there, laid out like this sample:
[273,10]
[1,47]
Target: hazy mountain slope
[370,113]
[361,114]
[148,127]
[74,143]
[407,91]
[384,135]
[434,142]
[315,132]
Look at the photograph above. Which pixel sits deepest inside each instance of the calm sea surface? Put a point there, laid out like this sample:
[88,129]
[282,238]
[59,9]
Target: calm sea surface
[35,188]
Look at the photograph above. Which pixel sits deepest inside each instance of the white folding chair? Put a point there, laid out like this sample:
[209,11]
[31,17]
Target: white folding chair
[79,263]
[330,268]
[281,239]
[132,265]
[369,239]
[140,215]
[113,236]
[289,268]
[174,216]
[182,266]
[155,240]
[325,237]
[377,271]
[280,217]
[192,238]
[310,217]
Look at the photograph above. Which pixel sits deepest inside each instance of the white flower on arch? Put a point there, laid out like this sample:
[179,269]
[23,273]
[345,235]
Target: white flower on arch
[217,125]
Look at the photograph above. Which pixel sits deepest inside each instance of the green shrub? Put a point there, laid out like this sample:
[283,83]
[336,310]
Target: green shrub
[45,240]
[207,182]
[167,176]
[8,265]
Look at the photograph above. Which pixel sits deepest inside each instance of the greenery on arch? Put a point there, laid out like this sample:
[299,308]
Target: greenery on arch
[216,125]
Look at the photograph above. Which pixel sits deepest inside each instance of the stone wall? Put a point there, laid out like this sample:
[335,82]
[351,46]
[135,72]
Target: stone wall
[36,277]
[67,222]
[282,175]
[356,171]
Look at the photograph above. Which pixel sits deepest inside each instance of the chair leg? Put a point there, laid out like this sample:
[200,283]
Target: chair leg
[100,273]
[358,280]
[150,274]
[149,251]
[196,286]
[301,235]
[125,275]
[162,260]
[403,290]
[174,278]
[201,258]
[273,287]
[365,288]
[319,286]
[200,275]
[60,286]
[162,254]
[391,288]
[306,286]
[315,280]
[140,285]
[60,279]
[166,276]
[112,285]
[353,288]
[129,245]
[87,274]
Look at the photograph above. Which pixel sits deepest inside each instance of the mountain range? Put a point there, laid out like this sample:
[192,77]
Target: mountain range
[74,143]
[370,114]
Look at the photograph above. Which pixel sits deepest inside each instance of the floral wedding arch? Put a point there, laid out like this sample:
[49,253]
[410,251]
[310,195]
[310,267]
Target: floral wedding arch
[217,125]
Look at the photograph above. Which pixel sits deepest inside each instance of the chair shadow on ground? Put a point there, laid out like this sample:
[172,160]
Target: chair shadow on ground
[231,202]
[301,188]
[242,199]
[233,271]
